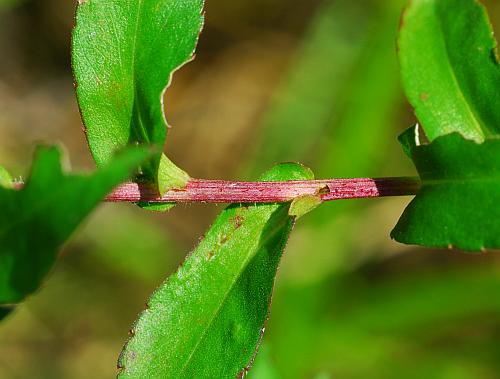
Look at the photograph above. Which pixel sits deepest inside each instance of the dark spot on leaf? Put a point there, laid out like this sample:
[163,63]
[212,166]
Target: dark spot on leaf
[210,255]
[402,19]
[237,221]
[424,96]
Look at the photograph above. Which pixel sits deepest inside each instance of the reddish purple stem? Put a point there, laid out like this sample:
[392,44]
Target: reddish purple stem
[219,191]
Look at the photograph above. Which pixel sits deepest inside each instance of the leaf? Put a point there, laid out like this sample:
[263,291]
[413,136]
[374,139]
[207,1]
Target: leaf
[458,204]
[5,178]
[303,205]
[172,177]
[207,320]
[36,220]
[124,55]
[449,66]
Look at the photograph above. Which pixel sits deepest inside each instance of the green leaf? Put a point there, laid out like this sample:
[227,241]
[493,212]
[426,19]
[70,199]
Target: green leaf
[36,220]
[169,176]
[5,178]
[124,55]
[449,66]
[156,207]
[207,320]
[458,204]
[303,205]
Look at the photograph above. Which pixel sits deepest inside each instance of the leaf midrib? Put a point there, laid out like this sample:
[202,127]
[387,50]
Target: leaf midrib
[142,128]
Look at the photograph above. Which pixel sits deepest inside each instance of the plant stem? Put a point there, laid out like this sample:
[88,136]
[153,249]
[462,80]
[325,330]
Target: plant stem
[219,191]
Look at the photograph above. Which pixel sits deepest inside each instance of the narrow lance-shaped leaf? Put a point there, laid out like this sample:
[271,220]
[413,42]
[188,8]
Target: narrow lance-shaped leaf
[449,66]
[36,220]
[207,320]
[458,204]
[124,55]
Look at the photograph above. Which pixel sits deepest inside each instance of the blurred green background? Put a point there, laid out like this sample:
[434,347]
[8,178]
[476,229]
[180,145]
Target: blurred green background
[274,80]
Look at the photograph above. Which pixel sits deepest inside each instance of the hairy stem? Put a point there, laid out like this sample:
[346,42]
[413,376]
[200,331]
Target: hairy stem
[219,191]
